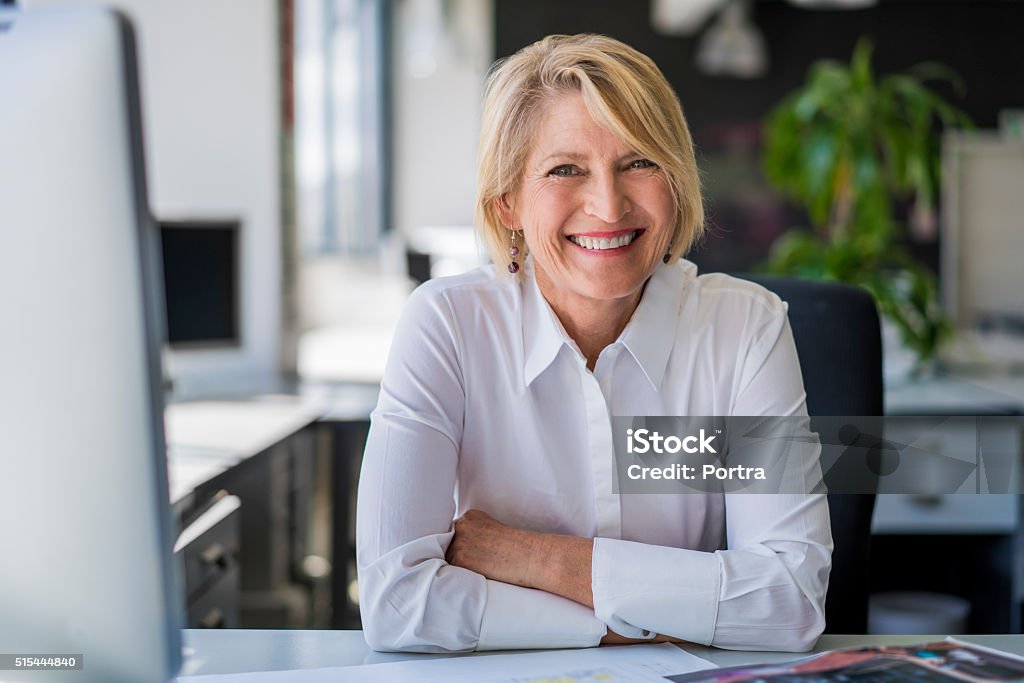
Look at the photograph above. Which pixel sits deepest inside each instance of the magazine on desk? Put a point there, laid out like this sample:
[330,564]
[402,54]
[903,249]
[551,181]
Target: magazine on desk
[946,660]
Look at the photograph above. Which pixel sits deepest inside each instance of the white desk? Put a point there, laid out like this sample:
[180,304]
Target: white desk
[241,651]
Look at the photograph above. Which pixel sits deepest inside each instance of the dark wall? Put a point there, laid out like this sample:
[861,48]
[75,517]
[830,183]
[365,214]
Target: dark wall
[980,39]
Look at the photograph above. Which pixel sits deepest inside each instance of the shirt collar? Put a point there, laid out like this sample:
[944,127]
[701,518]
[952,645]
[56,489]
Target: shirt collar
[649,336]
[543,334]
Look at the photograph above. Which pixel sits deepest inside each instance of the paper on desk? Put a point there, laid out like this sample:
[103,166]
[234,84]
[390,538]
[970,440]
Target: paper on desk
[593,665]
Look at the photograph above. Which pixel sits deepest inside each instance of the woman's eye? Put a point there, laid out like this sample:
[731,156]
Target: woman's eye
[564,171]
[643,163]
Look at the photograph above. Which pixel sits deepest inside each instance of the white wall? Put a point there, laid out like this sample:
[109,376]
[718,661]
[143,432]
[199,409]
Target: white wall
[437,118]
[209,71]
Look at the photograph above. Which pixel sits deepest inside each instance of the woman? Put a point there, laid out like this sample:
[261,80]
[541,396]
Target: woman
[495,404]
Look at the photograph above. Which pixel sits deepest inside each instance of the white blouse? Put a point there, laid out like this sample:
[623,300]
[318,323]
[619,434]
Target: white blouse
[487,403]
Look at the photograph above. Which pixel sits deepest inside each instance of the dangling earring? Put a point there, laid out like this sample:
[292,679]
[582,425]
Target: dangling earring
[513,251]
[668,255]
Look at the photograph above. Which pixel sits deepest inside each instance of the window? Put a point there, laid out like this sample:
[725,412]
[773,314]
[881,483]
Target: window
[341,107]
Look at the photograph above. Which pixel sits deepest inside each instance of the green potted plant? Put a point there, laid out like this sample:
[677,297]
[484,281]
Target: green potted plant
[851,148]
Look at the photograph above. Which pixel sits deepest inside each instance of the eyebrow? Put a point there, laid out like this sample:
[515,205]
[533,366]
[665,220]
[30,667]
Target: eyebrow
[576,156]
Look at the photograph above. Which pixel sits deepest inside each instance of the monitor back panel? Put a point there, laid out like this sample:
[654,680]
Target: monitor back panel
[85,532]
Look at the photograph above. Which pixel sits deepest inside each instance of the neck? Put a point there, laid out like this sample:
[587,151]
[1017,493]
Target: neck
[595,330]
[592,323]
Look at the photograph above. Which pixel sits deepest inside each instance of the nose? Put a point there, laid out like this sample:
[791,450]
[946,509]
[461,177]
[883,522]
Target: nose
[606,199]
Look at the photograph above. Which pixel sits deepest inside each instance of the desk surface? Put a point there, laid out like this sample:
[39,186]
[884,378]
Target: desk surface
[242,650]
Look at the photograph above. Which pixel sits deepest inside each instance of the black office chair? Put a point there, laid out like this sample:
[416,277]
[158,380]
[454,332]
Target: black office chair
[839,341]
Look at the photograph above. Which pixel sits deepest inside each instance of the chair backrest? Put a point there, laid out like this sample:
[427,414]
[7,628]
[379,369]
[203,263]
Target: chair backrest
[839,341]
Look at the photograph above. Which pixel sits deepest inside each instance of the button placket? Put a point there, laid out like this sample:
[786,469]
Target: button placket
[607,504]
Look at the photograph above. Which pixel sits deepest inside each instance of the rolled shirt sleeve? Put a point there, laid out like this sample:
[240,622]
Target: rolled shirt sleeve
[641,590]
[523,618]
[766,593]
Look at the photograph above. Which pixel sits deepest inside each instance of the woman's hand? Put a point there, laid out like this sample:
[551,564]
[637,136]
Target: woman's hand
[613,638]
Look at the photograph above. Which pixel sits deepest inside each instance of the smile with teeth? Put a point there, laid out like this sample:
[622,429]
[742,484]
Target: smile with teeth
[601,243]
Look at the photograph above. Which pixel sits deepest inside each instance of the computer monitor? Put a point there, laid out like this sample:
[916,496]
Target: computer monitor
[86,564]
[981,236]
[200,265]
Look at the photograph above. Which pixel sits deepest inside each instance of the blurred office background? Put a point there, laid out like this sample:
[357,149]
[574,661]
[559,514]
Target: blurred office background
[311,161]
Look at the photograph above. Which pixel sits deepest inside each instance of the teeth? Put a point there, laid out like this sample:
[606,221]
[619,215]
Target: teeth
[598,244]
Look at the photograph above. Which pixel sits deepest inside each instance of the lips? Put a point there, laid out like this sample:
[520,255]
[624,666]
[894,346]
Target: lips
[602,243]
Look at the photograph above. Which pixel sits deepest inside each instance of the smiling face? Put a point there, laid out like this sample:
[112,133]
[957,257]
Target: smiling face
[597,216]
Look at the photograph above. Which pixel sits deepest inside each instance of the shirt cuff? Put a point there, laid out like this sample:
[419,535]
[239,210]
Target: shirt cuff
[641,589]
[517,618]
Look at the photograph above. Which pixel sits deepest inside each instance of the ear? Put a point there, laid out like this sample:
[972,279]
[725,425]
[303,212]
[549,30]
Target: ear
[503,207]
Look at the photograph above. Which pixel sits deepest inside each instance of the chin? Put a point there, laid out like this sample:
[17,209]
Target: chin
[624,277]
[614,289]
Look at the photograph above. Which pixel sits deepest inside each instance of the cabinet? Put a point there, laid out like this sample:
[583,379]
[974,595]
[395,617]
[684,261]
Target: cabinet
[244,489]
[209,552]
[963,544]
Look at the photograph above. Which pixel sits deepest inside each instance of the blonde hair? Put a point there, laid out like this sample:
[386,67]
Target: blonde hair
[622,89]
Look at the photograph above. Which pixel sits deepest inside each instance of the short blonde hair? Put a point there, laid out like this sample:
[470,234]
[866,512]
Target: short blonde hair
[623,90]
